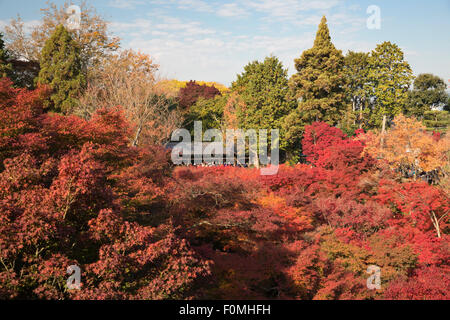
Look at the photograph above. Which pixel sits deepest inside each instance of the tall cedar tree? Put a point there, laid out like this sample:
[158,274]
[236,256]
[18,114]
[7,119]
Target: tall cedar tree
[61,69]
[319,84]
[388,82]
[189,95]
[263,86]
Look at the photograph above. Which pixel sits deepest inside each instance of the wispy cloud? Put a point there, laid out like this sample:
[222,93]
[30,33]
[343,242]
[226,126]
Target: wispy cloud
[232,10]
[125,4]
[290,9]
[28,25]
[197,5]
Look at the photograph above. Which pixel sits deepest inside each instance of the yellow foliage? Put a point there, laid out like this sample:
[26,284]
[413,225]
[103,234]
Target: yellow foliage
[408,143]
[172,87]
[299,218]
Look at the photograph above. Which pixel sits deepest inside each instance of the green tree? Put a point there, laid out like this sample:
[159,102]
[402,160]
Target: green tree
[61,70]
[428,93]
[436,120]
[319,84]
[389,80]
[263,86]
[5,66]
[356,69]
[209,111]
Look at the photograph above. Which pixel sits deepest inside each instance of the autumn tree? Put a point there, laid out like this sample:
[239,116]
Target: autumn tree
[425,206]
[129,79]
[93,38]
[234,103]
[389,79]
[80,195]
[193,91]
[319,84]
[408,146]
[61,70]
[172,87]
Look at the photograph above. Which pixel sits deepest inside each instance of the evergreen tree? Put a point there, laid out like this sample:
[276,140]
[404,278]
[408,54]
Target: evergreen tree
[209,111]
[5,66]
[356,69]
[263,87]
[389,79]
[61,70]
[319,84]
[428,93]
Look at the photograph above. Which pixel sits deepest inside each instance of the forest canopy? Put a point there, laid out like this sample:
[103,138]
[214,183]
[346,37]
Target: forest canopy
[86,176]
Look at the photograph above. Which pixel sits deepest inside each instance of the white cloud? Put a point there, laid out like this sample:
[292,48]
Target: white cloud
[197,5]
[125,4]
[290,9]
[28,26]
[217,59]
[231,10]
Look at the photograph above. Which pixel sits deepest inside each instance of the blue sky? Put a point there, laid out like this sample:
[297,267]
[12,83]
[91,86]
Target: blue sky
[213,40]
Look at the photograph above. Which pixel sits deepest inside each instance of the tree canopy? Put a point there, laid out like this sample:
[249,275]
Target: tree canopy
[389,79]
[319,84]
[61,70]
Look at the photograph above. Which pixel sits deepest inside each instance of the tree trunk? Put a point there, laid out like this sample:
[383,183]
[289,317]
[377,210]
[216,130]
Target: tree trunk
[383,131]
[136,138]
[436,224]
[360,115]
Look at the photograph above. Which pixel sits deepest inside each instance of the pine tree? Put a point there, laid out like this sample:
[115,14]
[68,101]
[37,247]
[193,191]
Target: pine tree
[5,66]
[61,70]
[389,79]
[319,84]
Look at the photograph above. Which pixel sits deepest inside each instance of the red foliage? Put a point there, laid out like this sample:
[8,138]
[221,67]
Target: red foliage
[329,148]
[318,137]
[429,283]
[343,212]
[73,192]
[189,95]
[436,136]
[424,206]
